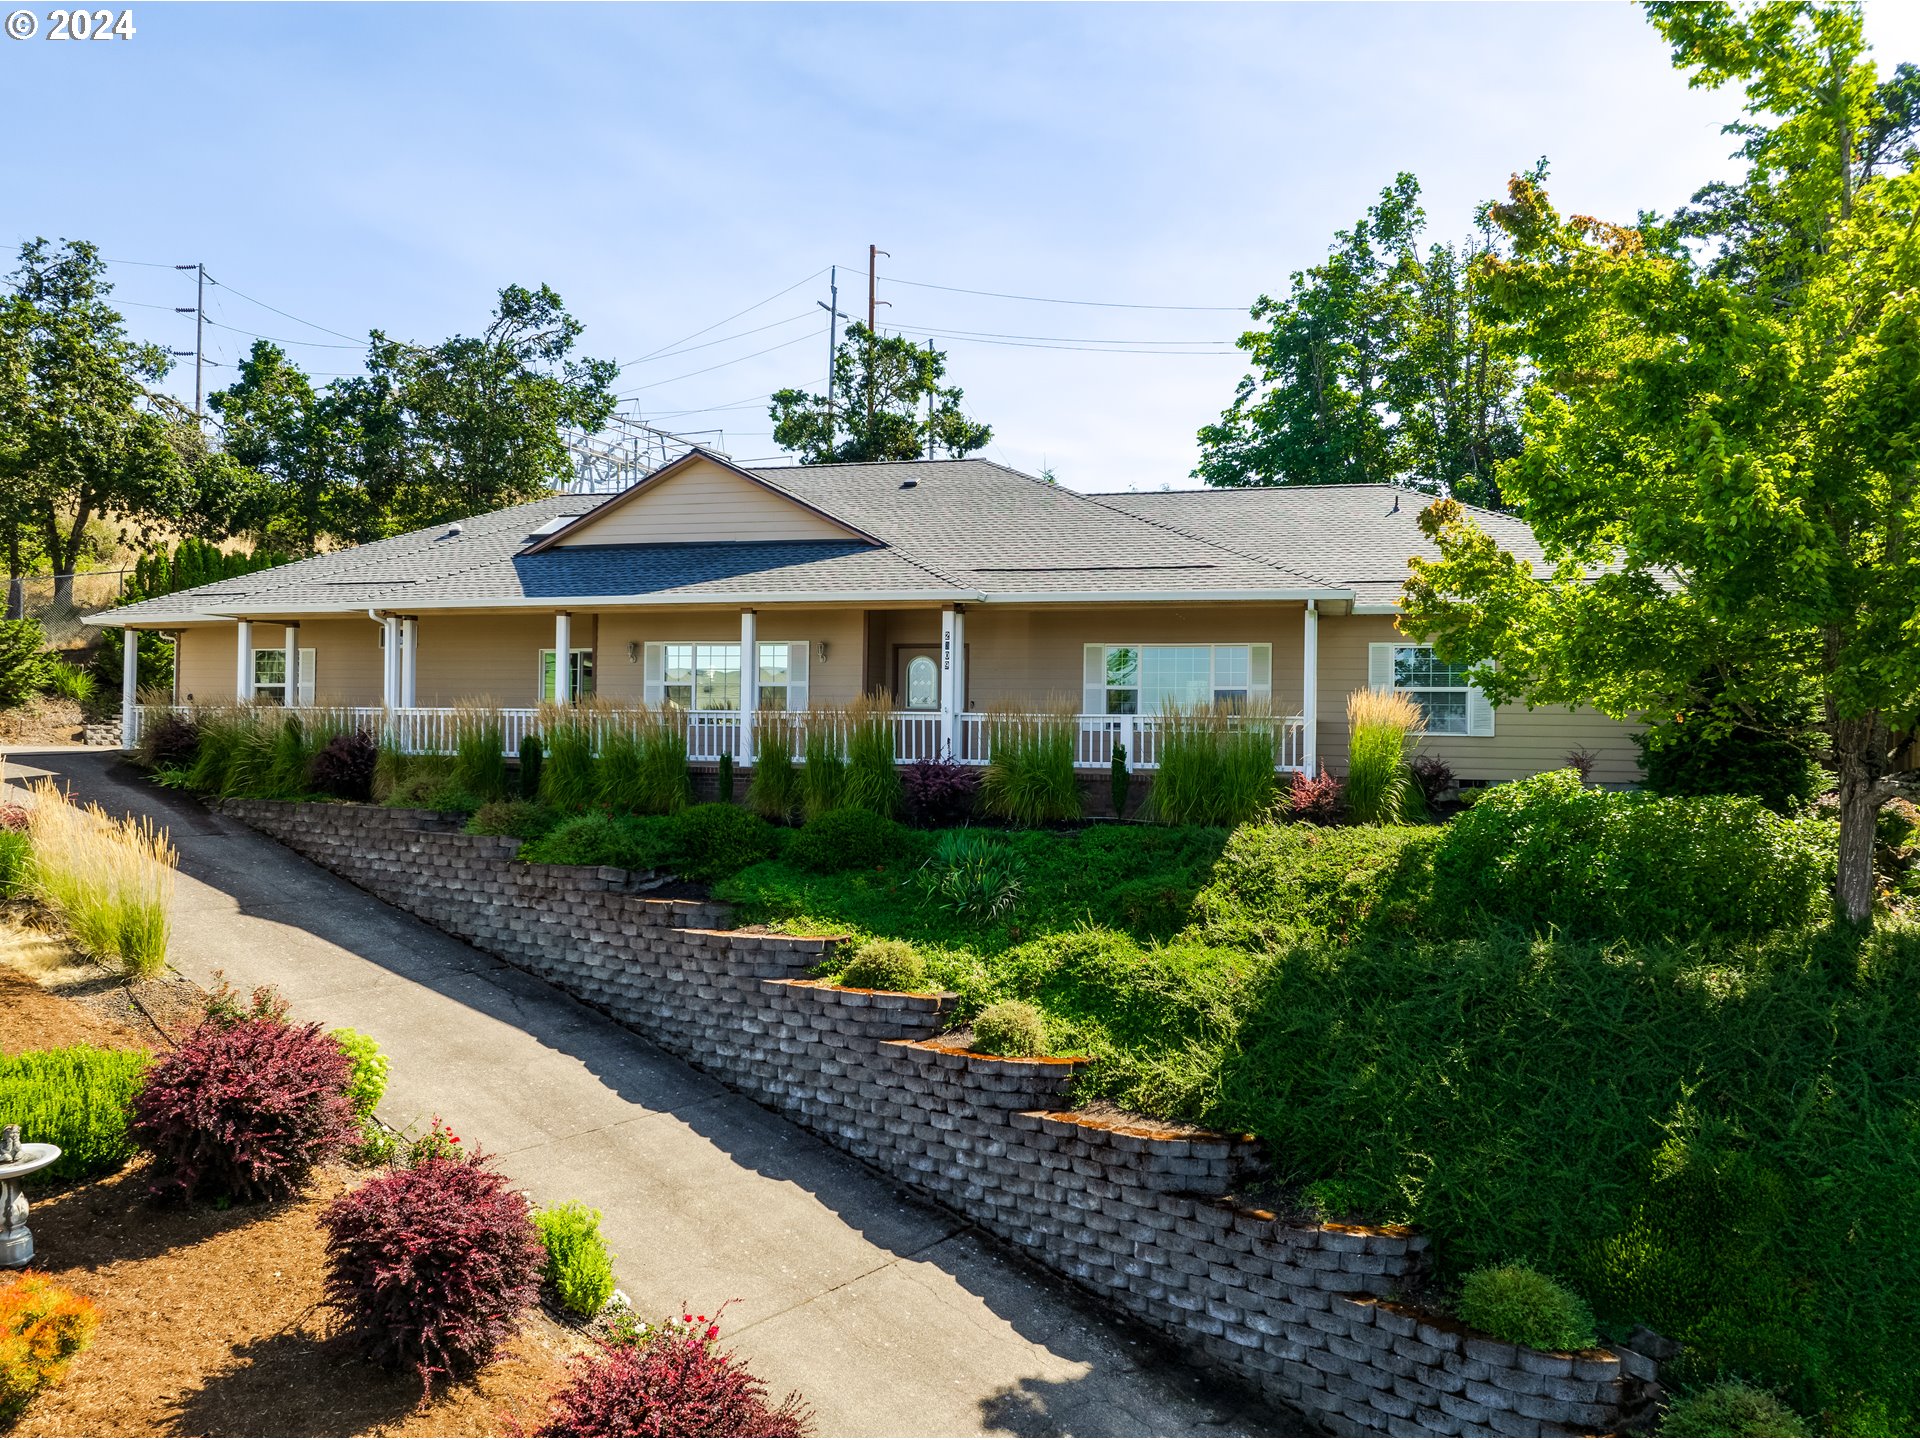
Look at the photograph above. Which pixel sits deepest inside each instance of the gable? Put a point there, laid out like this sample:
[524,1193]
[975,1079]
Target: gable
[702,500]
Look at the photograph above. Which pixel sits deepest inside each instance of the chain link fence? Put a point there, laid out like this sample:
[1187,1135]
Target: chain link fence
[59,601]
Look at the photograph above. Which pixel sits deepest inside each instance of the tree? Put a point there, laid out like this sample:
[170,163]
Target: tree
[81,434]
[279,428]
[1722,438]
[473,423]
[1378,366]
[879,407]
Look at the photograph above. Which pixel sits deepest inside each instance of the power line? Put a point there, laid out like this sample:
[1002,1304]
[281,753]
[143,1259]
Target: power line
[721,366]
[277,340]
[357,341]
[1080,349]
[738,334]
[1050,300]
[735,316]
[1067,339]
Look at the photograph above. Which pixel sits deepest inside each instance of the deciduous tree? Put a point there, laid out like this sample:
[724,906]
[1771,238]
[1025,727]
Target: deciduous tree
[879,410]
[1722,439]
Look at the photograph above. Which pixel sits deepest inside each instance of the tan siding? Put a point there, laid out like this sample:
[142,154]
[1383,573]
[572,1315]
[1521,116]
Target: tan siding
[494,657]
[205,667]
[832,681]
[706,502]
[1524,742]
[1031,656]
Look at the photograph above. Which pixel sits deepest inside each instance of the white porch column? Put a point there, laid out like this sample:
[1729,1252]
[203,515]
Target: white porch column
[243,662]
[409,656]
[562,655]
[953,678]
[1310,695]
[390,658]
[749,683]
[293,667]
[129,688]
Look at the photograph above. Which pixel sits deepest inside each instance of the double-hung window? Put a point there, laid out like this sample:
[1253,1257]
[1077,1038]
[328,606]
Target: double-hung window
[1147,679]
[696,675]
[1452,705]
[270,676]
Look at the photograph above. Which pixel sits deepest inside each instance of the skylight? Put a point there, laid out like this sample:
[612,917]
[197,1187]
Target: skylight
[559,522]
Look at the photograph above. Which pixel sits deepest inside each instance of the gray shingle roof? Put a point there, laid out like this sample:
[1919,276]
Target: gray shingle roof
[961,530]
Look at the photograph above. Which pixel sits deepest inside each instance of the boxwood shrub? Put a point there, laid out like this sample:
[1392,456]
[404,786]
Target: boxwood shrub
[80,1098]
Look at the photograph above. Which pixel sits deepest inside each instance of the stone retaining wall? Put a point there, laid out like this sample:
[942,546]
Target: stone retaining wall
[1131,1209]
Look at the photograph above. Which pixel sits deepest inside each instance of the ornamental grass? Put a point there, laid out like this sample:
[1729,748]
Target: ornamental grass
[774,791]
[1379,723]
[569,778]
[823,780]
[109,881]
[873,779]
[479,750]
[1029,777]
[1216,765]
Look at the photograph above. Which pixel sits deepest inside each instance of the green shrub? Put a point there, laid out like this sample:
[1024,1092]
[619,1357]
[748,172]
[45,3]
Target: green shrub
[1775,760]
[1216,767]
[885,965]
[664,784]
[369,1080]
[569,779]
[16,855]
[823,780]
[292,754]
[633,842]
[521,819]
[1119,781]
[852,840]
[219,737]
[1548,850]
[1731,1408]
[532,755]
[69,682]
[579,1266]
[619,771]
[250,764]
[479,753]
[1378,782]
[417,780]
[710,842]
[773,793]
[389,770]
[1011,1028]
[873,780]
[79,1098]
[1029,777]
[23,660]
[1524,1307]
[450,797]
[974,874]
[723,779]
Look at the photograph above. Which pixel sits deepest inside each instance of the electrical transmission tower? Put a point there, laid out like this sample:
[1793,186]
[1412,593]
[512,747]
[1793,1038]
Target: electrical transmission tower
[622,453]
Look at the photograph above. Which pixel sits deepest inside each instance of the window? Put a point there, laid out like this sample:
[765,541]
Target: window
[270,676]
[1146,679]
[1451,705]
[698,676]
[923,683]
[579,674]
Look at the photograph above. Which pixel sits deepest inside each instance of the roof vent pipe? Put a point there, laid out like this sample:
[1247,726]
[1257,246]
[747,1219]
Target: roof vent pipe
[908,483]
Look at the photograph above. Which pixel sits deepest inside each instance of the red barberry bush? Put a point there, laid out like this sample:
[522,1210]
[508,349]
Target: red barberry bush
[431,1266]
[674,1380]
[1316,799]
[245,1110]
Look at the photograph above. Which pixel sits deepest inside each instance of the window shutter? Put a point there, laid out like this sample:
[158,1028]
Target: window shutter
[797,674]
[1479,713]
[1260,673]
[306,677]
[1093,680]
[654,673]
[1380,666]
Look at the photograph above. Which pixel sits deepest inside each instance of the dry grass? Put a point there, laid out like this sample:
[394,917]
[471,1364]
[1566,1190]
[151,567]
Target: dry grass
[108,882]
[1379,723]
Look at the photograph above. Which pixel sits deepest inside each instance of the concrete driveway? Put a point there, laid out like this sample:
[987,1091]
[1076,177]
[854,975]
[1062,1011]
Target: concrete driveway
[891,1316]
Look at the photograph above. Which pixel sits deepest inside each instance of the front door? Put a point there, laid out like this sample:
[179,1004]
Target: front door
[916,678]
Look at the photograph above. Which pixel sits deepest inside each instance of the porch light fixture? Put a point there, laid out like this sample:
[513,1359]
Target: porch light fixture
[633,651]
[823,650]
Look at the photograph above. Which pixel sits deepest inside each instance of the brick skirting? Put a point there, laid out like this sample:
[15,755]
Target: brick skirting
[1131,1209]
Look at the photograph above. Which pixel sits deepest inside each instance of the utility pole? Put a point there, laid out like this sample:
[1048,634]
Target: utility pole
[874,252]
[930,390]
[834,317]
[199,312]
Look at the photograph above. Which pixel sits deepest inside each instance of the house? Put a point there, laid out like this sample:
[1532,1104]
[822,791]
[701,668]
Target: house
[956,586]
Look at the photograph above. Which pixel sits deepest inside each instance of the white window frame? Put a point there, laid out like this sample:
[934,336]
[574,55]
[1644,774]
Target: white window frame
[579,672]
[1096,694]
[277,689]
[794,661]
[1383,673]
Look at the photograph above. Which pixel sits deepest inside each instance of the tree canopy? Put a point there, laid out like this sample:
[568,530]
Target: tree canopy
[886,403]
[1723,431]
[1379,365]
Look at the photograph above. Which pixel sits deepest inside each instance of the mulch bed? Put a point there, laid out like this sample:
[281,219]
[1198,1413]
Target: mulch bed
[213,1320]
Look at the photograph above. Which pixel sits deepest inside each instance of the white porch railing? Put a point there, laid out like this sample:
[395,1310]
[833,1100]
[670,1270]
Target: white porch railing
[917,734]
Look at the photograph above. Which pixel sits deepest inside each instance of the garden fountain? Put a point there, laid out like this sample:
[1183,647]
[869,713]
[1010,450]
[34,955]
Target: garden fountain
[17,1161]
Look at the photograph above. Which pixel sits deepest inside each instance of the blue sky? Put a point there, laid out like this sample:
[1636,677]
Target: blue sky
[664,167]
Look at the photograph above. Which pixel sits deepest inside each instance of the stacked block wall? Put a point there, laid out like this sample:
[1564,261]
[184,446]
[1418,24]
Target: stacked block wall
[1129,1209]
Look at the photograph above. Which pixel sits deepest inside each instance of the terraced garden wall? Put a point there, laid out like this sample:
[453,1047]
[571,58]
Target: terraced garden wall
[1138,1212]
